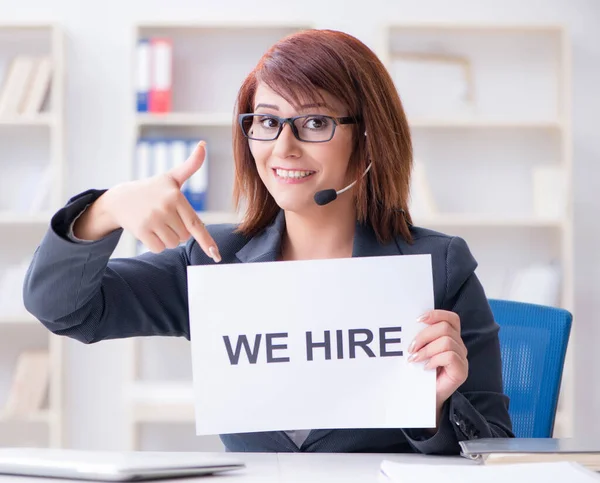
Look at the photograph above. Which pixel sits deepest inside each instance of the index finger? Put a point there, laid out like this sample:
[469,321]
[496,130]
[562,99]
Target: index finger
[196,227]
[434,316]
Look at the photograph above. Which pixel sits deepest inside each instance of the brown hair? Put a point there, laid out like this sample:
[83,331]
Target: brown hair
[298,66]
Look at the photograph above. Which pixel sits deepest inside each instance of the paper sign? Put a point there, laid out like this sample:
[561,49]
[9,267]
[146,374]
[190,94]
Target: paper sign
[318,344]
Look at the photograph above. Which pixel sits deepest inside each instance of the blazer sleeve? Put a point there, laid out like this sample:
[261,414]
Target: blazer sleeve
[479,408]
[78,290]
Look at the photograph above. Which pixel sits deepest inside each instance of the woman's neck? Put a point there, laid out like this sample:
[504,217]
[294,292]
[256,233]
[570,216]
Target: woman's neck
[330,234]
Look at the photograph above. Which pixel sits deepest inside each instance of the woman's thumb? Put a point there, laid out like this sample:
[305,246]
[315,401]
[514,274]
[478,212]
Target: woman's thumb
[192,164]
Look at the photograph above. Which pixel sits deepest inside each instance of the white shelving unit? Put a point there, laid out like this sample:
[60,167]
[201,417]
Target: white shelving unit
[505,110]
[479,163]
[28,145]
[209,65]
[183,119]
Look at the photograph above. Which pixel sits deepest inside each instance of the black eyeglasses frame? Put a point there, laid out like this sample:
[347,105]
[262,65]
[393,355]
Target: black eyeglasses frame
[290,121]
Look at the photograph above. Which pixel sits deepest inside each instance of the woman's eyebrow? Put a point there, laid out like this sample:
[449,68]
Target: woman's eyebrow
[268,106]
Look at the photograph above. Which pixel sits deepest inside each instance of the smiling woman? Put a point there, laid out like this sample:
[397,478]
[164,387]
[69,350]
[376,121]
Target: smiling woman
[318,115]
[316,74]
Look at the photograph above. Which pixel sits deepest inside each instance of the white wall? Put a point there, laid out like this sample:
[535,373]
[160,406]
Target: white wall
[99,42]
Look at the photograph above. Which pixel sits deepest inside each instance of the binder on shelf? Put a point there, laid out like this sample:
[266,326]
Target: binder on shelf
[157,156]
[152,157]
[161,161]
[143,159]
[143,82]
[198,182]
[30,384]
[179,153]
[161,75]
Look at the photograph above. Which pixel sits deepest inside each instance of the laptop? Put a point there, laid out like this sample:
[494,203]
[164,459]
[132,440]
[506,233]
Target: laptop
[111,465]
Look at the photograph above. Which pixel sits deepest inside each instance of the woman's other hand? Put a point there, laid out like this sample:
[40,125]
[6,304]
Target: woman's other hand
[441,345]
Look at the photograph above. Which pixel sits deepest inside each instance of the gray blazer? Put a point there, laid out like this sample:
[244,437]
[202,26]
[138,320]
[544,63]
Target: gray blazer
[77,290]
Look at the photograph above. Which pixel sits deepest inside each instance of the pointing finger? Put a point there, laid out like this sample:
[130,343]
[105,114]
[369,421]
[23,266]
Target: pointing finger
[196,227]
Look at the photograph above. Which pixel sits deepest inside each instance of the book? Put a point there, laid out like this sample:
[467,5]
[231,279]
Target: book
[33,101]
[491,451]
[16,85]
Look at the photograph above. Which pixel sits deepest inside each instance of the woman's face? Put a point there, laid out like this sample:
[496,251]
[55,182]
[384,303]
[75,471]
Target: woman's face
[293,170]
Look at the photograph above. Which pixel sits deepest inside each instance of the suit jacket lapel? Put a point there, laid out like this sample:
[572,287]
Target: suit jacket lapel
[265,246]
[366,244]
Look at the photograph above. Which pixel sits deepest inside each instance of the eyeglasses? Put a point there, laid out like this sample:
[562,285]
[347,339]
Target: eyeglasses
[310,128]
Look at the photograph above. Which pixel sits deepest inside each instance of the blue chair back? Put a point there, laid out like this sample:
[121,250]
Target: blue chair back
[533,344]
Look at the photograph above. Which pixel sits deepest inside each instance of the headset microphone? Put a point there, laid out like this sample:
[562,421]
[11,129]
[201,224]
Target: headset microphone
[324,197]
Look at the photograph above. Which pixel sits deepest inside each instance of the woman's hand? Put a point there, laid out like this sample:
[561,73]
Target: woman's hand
[441,345]
[154,210]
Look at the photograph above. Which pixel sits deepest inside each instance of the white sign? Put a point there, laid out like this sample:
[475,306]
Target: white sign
[319,344]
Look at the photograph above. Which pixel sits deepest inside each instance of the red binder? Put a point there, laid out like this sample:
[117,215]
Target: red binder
[162,75]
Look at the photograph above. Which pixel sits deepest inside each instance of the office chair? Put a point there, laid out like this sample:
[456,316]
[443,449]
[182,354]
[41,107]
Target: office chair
[533,344]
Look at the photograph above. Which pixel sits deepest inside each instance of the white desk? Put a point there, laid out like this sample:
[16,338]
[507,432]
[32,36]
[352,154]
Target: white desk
[341,468]
[298,468]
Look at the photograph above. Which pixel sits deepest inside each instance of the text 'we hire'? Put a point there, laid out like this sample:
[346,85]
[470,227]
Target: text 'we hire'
[329,344]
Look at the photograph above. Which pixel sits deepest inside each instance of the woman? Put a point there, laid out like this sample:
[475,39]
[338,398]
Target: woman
[318,112]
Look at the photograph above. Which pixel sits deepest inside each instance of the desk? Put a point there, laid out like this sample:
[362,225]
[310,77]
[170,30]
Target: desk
[298,468]
[337,468]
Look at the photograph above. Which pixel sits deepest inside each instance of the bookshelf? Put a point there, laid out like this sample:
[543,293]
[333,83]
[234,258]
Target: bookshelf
[490,114]
[210,61]
[39,120]
[31,191]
